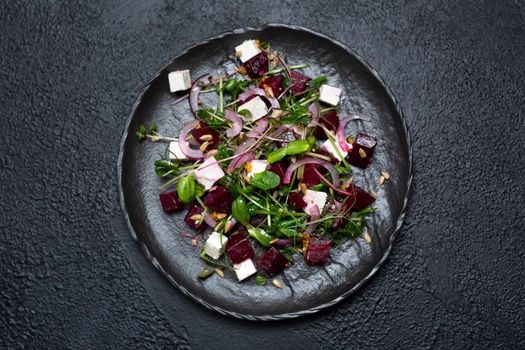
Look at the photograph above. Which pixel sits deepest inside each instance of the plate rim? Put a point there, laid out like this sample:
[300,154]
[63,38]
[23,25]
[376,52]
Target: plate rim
[283,316]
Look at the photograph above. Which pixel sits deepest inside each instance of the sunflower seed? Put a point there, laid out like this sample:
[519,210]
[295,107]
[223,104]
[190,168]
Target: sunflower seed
[219,272]
[204,146]
[367,237]
[362,153]
[277,283]
[196,217]
[206,137]
[386,175]
[381,180]
[194,242]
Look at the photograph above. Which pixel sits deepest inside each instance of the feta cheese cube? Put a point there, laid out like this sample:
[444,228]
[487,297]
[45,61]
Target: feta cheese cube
[329,94]
[244,269]
[312,198]
[256,107]
[247,50]
[328,146]
[255,167]
[179,80]
[208,173]
[175,153]
[215,245]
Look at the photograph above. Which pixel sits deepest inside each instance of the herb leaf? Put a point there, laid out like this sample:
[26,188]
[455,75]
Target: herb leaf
[265,180]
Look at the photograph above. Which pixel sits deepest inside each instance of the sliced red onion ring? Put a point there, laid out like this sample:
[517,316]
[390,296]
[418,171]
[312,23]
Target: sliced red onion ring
[260,92]
[237,123]
[257,131]
[310,160]
[238,162]
[210,221]
[315,114]
[244,146]
[194,92]
[340,135]
[184,145]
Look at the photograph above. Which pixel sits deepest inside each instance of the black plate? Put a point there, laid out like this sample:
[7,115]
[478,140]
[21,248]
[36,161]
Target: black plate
[305,289]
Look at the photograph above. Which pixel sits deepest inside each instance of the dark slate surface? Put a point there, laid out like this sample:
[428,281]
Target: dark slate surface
[70,275]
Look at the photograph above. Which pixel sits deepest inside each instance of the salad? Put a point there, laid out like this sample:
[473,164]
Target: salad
[266,172]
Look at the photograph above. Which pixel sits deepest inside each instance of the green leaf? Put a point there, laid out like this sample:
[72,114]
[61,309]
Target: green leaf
[240,211]
[260,235]
[317,82]
[186,188]
[265,180]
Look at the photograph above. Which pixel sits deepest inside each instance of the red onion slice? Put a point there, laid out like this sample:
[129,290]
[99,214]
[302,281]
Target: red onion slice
[244,146]
[257,131]
[239,161]
[210,221]
[194,92]
[184,145]
[237,123]
[340,135]
[310,160]
[315,115]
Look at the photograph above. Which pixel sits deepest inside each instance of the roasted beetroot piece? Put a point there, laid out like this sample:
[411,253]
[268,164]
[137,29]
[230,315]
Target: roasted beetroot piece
[257,65]
[318,251]
[329,120]
[170,202]
[273,82]
[358,200]
[194,210]
[310,177]
[272,262]
[219,200]
[298,82]
[239,251]
[362,150]
[280,169]
[296,201]
[234,239]
[202,133]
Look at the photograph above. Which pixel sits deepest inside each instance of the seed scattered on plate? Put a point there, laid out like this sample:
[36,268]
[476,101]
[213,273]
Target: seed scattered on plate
[194,242]
[373,193]
[219,272]
[367,237]
[386,175]
[277,283]
[381,180]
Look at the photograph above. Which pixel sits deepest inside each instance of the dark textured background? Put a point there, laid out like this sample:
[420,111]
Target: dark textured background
[70,274]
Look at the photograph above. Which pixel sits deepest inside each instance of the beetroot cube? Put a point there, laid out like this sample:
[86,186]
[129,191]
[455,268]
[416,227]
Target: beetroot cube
[310,177]
[204,129]
[318,251]
[239,251]
[257,65]
[219,200]
[195,209]
[329,120]
[298,82]
[296,201]
[280,169]
[272,262]
[234,239]
[170,201]
[358,199]
[274,82]
[362,158]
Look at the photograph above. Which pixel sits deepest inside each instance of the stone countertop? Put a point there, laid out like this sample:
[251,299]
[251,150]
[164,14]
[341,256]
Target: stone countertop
[71,276]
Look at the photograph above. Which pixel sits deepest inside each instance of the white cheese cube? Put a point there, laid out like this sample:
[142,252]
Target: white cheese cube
[244,269]
[175,152]
[329,94]
[313,198]
[256,107]
[247,50]
[328,146]
[208,173]
[215,245]
[179,80]
[255,167]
